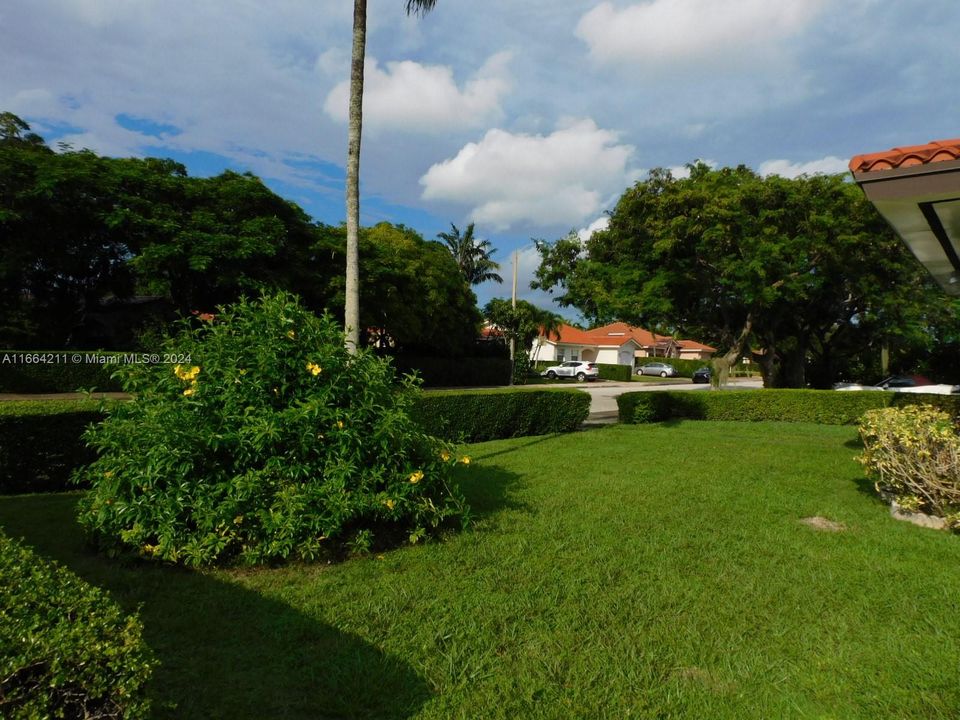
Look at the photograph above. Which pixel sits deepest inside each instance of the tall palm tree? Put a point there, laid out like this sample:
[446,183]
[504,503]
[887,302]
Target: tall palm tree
[351,314]
[472,256]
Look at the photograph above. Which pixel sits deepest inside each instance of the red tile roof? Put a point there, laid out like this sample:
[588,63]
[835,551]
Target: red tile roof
[617,334]
[937,151]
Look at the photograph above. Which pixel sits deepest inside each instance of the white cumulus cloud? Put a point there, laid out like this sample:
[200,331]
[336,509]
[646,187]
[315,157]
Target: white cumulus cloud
[562,178]
[670,31]
[601,223]
[424,98]
[784,168]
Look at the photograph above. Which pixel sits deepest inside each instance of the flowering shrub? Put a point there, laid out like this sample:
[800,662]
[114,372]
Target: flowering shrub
[267,441]
[914,454]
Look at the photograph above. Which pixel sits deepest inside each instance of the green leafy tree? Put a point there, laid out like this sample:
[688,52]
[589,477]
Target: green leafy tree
[354,134]
[472,256]
[798,269]
[414,300]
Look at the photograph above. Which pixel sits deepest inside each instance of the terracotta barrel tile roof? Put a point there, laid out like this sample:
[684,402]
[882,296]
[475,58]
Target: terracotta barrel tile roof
[937,151]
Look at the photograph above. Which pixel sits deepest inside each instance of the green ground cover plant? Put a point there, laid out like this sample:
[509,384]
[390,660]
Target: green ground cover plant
[66,649]
[647,571]
[269,442]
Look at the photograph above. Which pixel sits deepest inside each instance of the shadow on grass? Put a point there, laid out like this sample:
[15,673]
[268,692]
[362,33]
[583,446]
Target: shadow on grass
[226,651]
[489,489]
[865,486]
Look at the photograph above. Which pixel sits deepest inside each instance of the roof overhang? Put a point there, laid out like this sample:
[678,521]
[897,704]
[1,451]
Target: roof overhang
[922,204]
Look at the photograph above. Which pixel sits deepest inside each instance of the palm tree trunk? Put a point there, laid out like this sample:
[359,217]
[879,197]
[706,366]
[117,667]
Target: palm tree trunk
[351,313]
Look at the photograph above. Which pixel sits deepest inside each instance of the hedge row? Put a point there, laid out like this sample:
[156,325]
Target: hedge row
[60,374]
[40,443]
[66,649]
[827,407]
[492,414]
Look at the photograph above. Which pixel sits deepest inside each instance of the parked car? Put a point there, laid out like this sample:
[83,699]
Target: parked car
[904,383]
[655,368]
[702,375]
[579,369]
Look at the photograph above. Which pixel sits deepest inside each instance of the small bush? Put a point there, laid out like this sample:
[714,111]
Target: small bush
[41,443]
[489,415]
[914,454]
[827,407]
[60,376]
[269,442]
[66,649]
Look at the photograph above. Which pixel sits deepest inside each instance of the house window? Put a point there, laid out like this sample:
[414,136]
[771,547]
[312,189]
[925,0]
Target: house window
[560,352]
[574,354]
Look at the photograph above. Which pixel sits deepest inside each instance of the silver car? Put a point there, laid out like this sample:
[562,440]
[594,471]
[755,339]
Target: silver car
[655,368]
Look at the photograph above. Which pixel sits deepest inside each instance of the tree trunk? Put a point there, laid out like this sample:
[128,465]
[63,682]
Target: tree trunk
[722,364]
[351,314]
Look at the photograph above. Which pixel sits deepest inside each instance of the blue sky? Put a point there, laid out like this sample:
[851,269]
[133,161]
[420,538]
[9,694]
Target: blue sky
[528,118]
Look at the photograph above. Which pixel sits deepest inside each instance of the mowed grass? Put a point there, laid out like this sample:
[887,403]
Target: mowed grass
[632,571]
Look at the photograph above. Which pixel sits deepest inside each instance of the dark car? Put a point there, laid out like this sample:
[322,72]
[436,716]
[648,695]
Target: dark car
[702,375]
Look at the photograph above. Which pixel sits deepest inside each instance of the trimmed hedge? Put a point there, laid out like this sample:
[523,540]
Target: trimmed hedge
[489,415]
[61,377]
[40,443]
[615,372]
[66,649]
[827,407]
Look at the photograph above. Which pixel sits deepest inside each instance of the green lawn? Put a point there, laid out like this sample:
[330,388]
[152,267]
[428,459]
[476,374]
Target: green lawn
[632,571]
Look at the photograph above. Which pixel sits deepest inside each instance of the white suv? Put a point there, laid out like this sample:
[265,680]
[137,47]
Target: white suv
[573,368]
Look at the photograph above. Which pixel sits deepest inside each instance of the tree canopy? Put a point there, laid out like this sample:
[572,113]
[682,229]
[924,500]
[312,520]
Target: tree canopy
[76,227]
[804,271]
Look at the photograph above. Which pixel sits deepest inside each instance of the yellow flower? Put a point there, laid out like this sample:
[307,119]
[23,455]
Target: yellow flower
[340,424]
[194,371]
[151,549]
[108,474]
[189,391]
[416,477]
[238,519]
[314,368]
[390,504]
[291,334]
[465,459]
[178,371]
[444,455]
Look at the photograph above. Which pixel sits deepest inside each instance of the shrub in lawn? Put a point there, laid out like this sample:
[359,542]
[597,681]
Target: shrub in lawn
[66,649]
[41,444]
[477,415]
[270,441]
[914,454]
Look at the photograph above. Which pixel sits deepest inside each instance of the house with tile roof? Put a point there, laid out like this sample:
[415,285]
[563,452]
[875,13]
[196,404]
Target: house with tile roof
[614,344]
